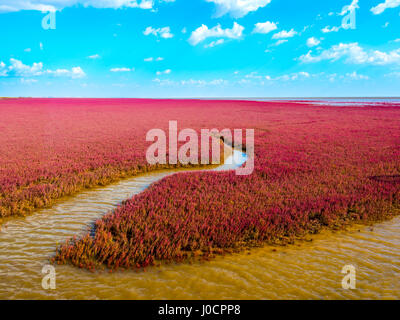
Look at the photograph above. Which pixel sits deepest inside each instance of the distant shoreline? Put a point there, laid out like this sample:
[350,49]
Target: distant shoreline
[215,98]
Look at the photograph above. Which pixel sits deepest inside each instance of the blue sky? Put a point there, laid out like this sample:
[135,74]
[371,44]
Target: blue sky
[199,48]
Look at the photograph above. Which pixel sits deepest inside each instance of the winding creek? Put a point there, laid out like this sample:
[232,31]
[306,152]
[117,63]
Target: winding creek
[310,270]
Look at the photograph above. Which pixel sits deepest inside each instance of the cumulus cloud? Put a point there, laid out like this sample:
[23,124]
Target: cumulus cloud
[327,29]
[353,53]
[3,69]
[214,43]
[294,76]
[302,75]
[351,7]
[238,8]
[355,76]
[284,34]
[279,42]
[74,73]
[150,59]
[162,32]
[53,5]
[253,75]
[123,69]
[203,32]
[312,42]
[168,71]
[28,81]
[385,5]
[215,82]
[191,82]
[265,27]
[94,56]
[18,69]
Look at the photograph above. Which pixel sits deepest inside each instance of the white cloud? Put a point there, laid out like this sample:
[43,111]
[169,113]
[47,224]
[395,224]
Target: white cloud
[123,69]
[265,27]
[53,5]
[253,75]
[312,42]
[308,58]
[302,75]
[17,5]
[215,82]
[354,54]
[351,7]
[395,74]
[150,59]
[214,43]
[28,81]
[327,29]
[19,69]
[28,50]
[355,76]
[164,32]
[238,8]
[203,32]
[168,71]
[294,76]
[332,77]
[41,46]
[244,81]
[3,69]
[94,56]
[284,34]
[279,42]
[74,73]
[165,82]
[385,5]
[191,82]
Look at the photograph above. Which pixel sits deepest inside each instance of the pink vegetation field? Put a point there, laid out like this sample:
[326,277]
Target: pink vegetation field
[50,148]
[315,167]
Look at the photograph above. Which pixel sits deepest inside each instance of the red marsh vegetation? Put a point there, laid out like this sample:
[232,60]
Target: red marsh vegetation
[50,148]
[315,167]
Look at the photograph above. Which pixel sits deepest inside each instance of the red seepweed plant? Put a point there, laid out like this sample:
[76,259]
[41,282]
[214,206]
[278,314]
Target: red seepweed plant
[50,148]
[314,168]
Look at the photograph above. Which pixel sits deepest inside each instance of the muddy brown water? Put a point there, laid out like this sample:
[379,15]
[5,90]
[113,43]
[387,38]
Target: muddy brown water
[307,270]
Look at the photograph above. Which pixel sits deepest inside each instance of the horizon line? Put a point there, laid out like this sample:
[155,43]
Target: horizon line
[210,98]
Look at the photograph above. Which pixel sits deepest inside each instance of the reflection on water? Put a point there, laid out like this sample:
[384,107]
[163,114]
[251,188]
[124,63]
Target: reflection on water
[308,270]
